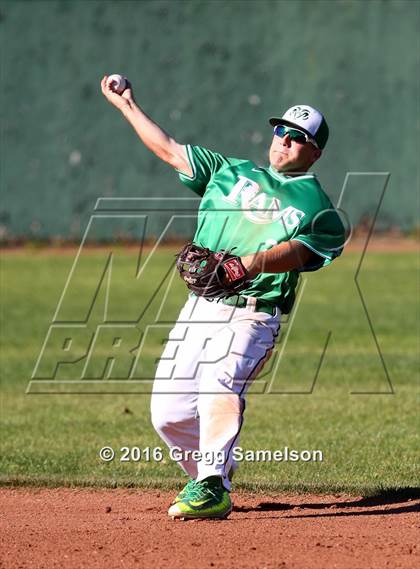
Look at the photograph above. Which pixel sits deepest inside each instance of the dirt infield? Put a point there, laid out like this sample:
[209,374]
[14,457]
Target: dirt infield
[83,528]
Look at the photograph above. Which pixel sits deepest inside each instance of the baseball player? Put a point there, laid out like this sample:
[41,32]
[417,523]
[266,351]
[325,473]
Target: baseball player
[258,228]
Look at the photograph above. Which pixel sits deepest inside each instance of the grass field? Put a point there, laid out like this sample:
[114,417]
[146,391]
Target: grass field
[368,439]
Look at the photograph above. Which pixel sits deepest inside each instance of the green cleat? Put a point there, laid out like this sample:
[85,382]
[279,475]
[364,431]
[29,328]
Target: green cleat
[207,499]
[188,486]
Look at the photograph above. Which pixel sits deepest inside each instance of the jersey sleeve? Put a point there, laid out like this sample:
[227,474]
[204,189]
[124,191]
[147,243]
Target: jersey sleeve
[204,165]
[324,235]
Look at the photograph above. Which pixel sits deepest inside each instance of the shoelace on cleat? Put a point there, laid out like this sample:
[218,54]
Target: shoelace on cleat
[198,491]
[188,487]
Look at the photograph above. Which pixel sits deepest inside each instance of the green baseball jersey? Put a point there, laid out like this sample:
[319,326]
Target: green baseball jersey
[246,208]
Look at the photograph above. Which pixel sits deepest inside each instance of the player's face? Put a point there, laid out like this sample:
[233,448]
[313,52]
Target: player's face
[287,155]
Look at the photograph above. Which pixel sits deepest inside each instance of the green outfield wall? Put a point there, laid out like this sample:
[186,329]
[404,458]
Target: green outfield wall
[211,73]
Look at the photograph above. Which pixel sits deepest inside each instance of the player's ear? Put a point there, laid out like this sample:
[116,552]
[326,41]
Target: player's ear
[317,153]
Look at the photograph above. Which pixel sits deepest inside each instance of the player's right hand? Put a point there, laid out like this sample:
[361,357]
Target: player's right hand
[117,100]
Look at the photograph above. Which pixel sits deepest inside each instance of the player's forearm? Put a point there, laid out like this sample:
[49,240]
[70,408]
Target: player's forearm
[152,135]
[279,259]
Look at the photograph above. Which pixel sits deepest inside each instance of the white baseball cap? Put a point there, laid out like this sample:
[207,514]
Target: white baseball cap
[307,119]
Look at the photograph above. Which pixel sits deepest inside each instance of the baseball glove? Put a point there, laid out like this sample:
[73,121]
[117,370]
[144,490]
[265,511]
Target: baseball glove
[211,274]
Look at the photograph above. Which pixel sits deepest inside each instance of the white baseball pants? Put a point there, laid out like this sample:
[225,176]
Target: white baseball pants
[212,355]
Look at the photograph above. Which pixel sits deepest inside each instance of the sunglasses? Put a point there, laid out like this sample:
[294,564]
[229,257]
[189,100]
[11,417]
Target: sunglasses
[296,135]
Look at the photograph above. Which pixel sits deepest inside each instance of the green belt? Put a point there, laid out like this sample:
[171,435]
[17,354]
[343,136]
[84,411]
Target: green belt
[242,301]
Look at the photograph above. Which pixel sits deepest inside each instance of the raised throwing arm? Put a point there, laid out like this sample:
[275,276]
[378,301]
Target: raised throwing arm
[152,135]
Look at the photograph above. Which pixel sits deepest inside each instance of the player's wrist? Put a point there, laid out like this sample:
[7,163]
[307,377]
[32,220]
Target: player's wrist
[128,106]
[250,262]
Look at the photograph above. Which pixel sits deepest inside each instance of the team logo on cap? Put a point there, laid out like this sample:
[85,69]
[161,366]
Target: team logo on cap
[299,113]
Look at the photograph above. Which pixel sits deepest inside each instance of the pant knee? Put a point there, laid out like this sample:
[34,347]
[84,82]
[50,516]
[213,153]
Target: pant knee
[167,416]
[159,416]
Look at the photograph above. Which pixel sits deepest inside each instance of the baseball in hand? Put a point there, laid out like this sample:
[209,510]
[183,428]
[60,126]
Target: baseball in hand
[117,83]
